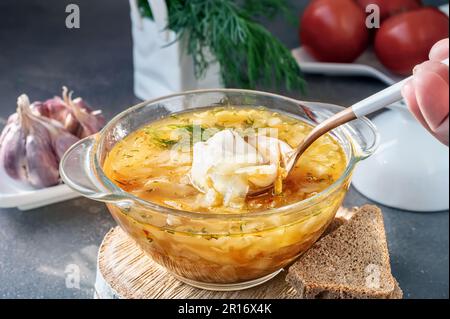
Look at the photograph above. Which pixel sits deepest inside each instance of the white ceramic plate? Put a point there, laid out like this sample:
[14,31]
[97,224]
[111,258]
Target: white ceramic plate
[25,197]
[366,65]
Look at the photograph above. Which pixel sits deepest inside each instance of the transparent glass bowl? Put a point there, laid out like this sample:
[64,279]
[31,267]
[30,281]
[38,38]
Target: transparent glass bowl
[216,251]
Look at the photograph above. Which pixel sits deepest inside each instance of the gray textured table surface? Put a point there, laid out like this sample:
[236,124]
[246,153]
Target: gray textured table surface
[38,55]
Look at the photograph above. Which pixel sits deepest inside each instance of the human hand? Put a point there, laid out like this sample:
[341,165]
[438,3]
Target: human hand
[427,94]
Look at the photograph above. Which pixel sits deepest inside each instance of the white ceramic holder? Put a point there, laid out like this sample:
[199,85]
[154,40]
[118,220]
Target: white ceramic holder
[161,63]
[410,169]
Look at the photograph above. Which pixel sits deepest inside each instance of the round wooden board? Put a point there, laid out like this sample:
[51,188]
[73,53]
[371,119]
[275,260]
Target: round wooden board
[124,271]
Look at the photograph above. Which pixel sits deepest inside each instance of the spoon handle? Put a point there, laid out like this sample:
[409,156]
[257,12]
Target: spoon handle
[383,98]
[336,120]
[369,105]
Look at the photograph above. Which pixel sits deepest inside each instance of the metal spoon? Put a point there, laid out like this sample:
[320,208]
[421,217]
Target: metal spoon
[367,106]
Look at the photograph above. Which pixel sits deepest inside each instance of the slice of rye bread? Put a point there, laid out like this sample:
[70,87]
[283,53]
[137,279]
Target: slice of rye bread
[350,262]
[335,224]
[343,215]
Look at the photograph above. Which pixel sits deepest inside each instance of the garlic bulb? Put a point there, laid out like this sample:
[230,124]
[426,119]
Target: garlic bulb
[36,137]
[90,121]
[41,163]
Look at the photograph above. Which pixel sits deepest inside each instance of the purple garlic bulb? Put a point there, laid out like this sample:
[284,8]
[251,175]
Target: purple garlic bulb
[12,150]
[61,139]
[90,122]
[40,108]
[42,166]
[59,111]
[36,137]
[41,162]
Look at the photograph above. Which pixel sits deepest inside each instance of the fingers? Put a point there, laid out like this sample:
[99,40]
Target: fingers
[432,94]
[409,94]
[427,95]
[439,51]
[441,132]
[433,66]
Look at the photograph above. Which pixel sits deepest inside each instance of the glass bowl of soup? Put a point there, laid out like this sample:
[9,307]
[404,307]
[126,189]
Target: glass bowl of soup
[139,166]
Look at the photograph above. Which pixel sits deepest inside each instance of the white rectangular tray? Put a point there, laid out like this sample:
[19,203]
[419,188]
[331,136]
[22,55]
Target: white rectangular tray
[366,65]
[25,197]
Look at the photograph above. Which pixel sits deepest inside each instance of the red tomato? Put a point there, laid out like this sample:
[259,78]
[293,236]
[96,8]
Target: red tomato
[334,30]
[405,40]
[391,7]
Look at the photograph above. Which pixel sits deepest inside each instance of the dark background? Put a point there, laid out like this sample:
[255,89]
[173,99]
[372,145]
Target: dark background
[38,55]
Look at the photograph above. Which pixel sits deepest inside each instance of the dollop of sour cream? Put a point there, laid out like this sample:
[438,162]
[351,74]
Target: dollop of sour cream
[227,166]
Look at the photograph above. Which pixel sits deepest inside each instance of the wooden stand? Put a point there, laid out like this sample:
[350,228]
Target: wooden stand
[124,271]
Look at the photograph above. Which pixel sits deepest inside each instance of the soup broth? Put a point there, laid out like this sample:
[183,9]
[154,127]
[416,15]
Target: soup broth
[154,162]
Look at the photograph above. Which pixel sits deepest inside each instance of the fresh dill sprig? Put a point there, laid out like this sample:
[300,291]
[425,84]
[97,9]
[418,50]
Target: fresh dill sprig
[227,32]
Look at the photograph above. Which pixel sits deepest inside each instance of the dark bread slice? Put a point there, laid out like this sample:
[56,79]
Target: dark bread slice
[335,224]
[351,262]
[343,215]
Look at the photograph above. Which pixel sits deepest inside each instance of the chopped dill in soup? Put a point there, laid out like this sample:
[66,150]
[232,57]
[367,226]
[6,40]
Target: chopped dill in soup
[208,160]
